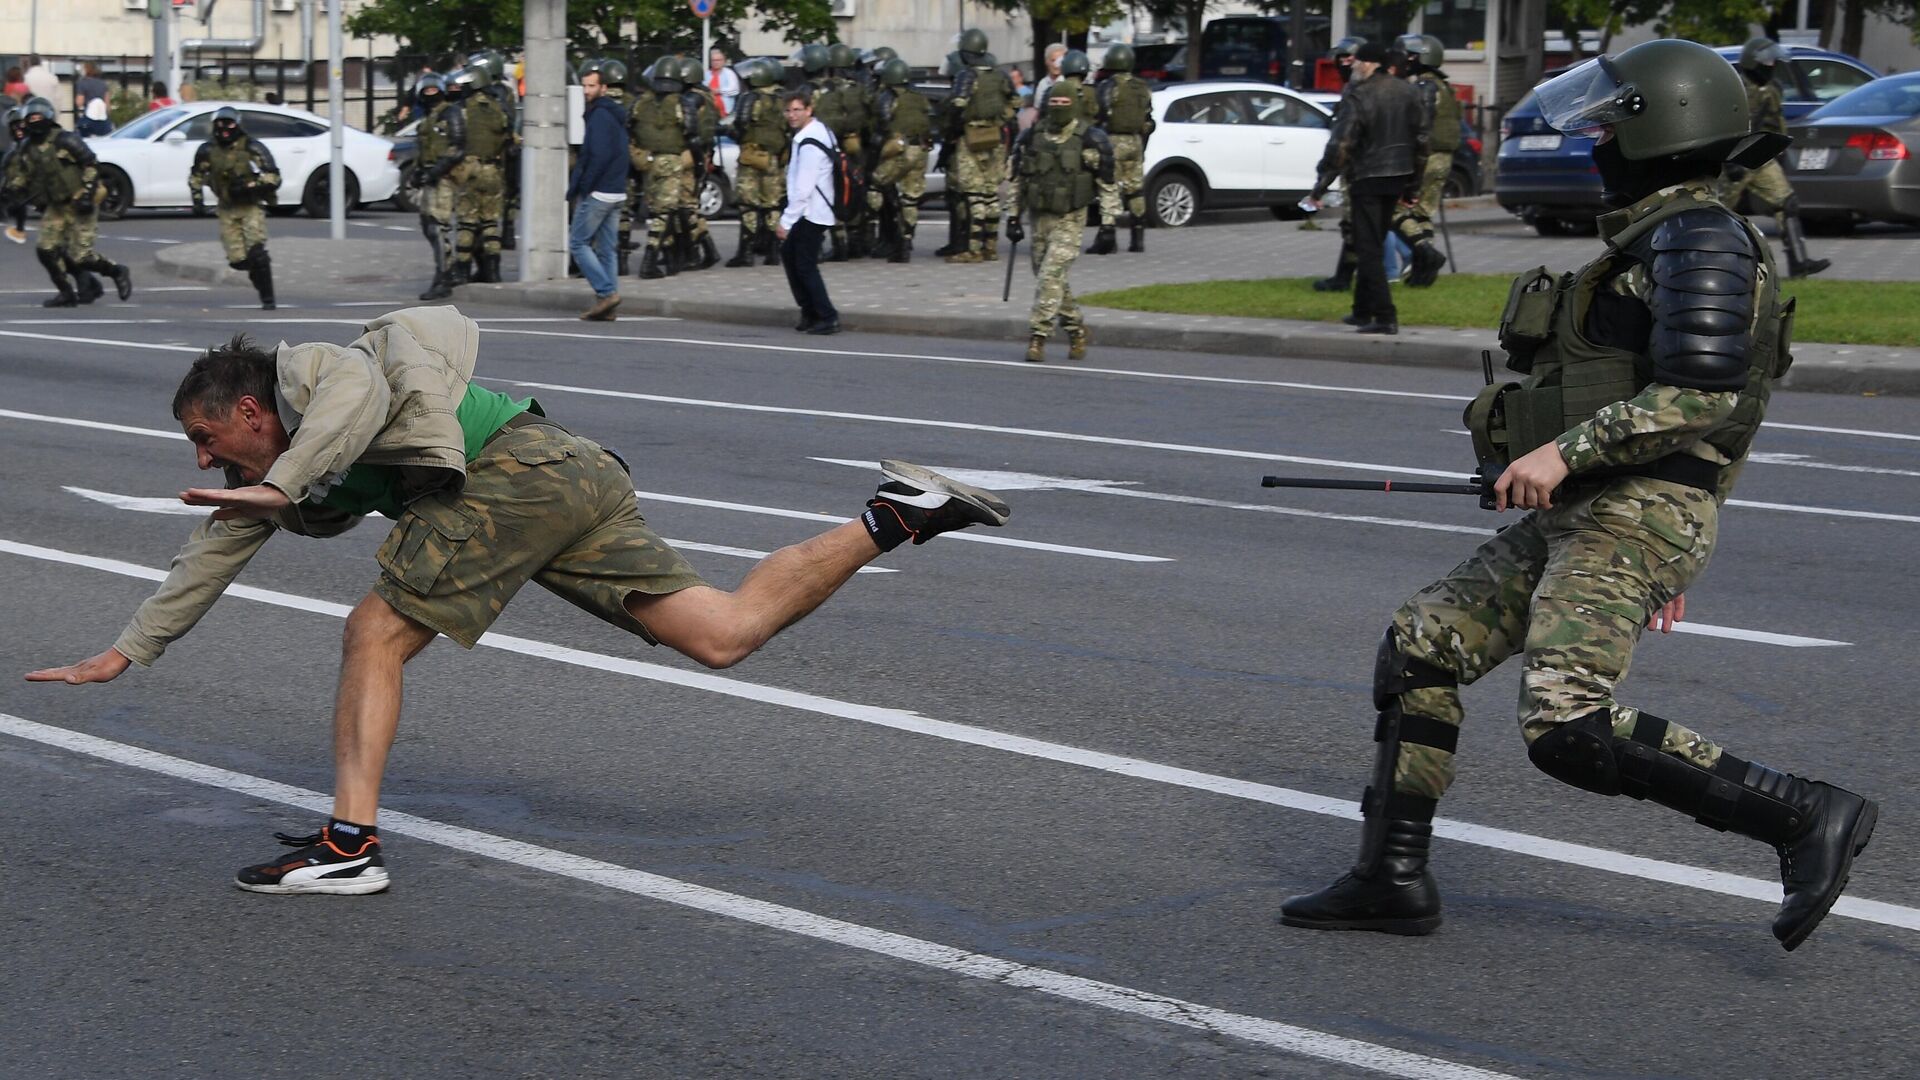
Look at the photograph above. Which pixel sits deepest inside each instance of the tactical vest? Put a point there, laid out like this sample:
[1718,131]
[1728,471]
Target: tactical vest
[1129,104]
[1445,136]
[228,166]
[1055,177]
[992,91]
[1569,379]
[760,122]
[53,178]
[842,107]
[657,125]
[1764,109]
[488,130]
[697,102]
[433,135]
[910,118]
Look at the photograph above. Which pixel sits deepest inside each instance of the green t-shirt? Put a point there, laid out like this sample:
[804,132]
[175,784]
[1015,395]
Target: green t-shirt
[370,489]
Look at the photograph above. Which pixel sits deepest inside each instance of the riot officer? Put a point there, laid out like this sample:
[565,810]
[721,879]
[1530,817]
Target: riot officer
[697,249]
[977,115]
[1057,168]
[1422,55]
[1646,376]
[436,192]
[1767,185]
[760,178]
[904,128]
[662,139]
[16,208]
[480,136]
[845,106]
[1124,110]
[1331,166]
[506,94]
[245,181]
[58,173]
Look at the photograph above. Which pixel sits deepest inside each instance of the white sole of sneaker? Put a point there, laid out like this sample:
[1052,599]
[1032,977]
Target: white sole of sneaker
[927,480]
[373,882]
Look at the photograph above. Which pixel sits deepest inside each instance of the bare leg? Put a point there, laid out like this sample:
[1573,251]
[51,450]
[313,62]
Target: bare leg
[719,629]
[366,710]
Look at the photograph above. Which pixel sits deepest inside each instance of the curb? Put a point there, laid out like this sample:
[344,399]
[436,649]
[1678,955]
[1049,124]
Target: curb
[189,270]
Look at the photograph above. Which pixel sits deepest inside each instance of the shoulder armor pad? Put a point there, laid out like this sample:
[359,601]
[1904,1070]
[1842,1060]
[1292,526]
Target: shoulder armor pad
[1703,273]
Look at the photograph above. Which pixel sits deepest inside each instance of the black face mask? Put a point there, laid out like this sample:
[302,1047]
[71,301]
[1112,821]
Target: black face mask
[38,131]
[224,134]
[1627,182]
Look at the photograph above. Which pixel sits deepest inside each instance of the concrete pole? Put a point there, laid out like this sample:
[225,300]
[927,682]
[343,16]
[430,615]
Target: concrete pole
[543,152]
[162,55]
[337,120]
[176,71]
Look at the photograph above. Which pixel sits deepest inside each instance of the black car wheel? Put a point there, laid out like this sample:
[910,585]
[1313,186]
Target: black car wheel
[1459,185]
[713,196]
[1173,198]
[316,201]
[119,197]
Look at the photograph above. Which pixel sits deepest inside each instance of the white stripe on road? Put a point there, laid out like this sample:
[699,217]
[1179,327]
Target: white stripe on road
[1286,1038]
[1844,431]
[148,505]
[1714,881]
[100,341]
[96,425]
[1807,461]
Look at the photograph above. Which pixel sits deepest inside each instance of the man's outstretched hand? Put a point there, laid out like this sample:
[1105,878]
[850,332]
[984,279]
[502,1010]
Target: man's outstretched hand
[258,501]
[103,668]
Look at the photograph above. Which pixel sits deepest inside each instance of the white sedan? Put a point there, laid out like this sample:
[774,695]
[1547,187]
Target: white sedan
[1231,144]
[145,163]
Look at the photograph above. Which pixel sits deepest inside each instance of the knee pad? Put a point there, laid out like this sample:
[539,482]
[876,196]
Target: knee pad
[1395,672]
[51,259]
[1580,752]
[257,255]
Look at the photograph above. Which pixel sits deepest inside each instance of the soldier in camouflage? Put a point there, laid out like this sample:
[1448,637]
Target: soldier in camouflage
[245,181]
[1767,186]
[977,115]
[904,127]
[55,171]
[660,146]
[760,174]
[436,191]
[1647,374]
[505,93]
[1125,113]
[13,199]
[1422,54]
[486,495]
[697,250]
[1057,167]
[480,137]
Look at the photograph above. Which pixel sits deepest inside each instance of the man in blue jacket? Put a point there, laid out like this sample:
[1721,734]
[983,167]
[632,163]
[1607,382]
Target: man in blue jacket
[597,190]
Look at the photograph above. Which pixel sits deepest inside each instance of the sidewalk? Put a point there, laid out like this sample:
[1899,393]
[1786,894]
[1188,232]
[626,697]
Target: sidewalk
[929,297]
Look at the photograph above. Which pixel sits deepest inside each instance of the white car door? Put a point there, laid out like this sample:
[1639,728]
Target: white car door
[1296,136]
[295,144]
[1216,132]
[168,161]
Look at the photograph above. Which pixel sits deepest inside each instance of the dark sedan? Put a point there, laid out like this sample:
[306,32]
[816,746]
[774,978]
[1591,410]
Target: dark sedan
[1854,159]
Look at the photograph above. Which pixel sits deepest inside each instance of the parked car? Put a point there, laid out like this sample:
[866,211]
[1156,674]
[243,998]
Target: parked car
[1854,158]
[1551,182]
[1226,144]
[145,163]
[1162,63]
[1253,46]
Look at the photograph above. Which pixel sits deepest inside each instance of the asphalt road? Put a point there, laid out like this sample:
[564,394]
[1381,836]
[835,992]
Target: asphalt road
[1020,808]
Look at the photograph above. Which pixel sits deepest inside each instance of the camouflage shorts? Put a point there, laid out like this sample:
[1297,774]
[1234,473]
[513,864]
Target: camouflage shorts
[241,227]
[540,504]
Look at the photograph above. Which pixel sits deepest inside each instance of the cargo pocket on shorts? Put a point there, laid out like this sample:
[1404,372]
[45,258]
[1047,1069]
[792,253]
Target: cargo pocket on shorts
[424,541]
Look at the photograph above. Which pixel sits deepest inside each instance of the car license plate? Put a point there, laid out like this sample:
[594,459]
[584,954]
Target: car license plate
[1539,142]
[1234,70]
[1814,157]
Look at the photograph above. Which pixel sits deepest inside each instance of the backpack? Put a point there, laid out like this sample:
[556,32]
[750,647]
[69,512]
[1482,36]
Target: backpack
[849,181]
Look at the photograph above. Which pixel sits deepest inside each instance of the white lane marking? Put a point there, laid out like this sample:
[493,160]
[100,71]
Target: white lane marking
[146,505]
[1806,461]
[659,496]
[484,319]
[970,537]
[99,341]
[1014,481]
[1305,1042]
[89,322]
[1714,881]
[1827,511]
[1843,431]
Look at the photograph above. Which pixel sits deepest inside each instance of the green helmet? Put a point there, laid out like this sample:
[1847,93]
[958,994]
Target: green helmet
[815,59]
[894,72]
[874,58]
[1422,50]
[613,72]
[761,73]
[493,60]
[468,79]
[1346,47]
[664,76]
[1118,58]
[1075,62]
[690,71]
[973,40]
[1760,53]
[840,56]
[1664,98]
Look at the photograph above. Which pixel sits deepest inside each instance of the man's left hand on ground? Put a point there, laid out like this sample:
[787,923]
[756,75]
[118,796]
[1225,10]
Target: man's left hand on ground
[1529,482]
[257,501]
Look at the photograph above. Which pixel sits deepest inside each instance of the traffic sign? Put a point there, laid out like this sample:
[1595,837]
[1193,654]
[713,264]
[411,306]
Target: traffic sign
[700,8]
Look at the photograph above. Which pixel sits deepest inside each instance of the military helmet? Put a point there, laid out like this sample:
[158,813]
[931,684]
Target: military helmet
[1664,98]
[878,56]
[493,60]
[1423,50]
[1075,62]
[431,84]
[814,59]
[1760,53]
[613,72]
[691,71]
[664,75]
[15,120]
[841,56]
[894,72]
[226,124]
[1118,58]
[972,40]
[37,117]
[1346,47]
[761,73]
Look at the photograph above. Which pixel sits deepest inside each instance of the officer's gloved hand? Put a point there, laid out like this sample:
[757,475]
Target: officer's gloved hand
[83,204]
[199,203]
[1016,231]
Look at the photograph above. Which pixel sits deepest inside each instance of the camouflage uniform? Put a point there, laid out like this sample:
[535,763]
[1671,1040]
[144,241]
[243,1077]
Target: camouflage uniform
[1767,184]
[1415,223]
[437,189]
[979,160]
[900,178]
[245,181]
[760,176]
[479,183]
[59,174]
[1055,174]
[1127,193]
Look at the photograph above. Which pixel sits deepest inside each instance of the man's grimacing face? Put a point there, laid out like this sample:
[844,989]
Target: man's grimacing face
[250,438]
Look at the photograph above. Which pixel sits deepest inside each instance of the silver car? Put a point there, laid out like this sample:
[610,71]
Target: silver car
[1854,158]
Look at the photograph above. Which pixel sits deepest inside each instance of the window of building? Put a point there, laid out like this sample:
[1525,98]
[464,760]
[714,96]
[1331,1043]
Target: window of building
[1459,24]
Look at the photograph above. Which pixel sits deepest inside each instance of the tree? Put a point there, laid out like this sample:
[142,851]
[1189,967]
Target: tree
[593,25]
[1192,14]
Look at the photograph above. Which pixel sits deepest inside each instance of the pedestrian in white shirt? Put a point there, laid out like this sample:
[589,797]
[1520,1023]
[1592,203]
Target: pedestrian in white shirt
[722,81]
[809,214]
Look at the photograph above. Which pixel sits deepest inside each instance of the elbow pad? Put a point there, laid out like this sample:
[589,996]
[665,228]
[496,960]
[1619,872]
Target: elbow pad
[1702,303]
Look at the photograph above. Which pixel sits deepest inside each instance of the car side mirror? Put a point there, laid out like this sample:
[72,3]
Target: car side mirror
[174,138]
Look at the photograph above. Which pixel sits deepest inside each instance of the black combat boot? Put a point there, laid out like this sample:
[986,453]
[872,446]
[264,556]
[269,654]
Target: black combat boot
[836,244]
[260,272]
[650,267]
[709,252]
[902,247]
[87,287]
[744,255]
[1390,888]
[771,240]
[459,273]
[57,270]
[622,249]
[486,269]
[1342,278]
[1103,242]
[1794,239]
[1137,237]
[1428,261]
[122,277]
[956,231]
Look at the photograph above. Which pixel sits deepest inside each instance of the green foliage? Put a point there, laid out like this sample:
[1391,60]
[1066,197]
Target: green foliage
[1713,21]
[593,26]
[215,90]
[1074,16]
[126,105]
